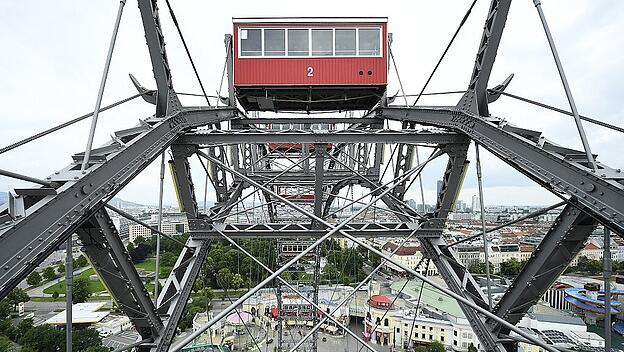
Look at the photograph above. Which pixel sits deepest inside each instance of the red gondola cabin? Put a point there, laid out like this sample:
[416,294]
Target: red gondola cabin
[310,64]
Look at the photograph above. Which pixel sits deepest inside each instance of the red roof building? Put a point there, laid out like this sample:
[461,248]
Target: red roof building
[380,301]
[403,251]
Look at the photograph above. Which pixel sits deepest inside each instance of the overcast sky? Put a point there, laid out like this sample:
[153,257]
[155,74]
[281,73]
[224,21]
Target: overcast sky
[53,54]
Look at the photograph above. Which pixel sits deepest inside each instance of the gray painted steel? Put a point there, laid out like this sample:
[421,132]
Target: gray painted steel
[109,257]
[551,257]
[40,219]
[557,169]
[212,137]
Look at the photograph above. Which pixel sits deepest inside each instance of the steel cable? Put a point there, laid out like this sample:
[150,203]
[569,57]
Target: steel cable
[461,24]
[69,123]
[188,53]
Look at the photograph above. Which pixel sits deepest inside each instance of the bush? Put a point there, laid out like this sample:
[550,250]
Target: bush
[49,274]
[33,279]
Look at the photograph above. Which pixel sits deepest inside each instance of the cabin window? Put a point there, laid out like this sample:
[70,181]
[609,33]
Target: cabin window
[322,42]
[251,42]
[274,42]
[301,42]
[298,42]
[345,42]
[369,42]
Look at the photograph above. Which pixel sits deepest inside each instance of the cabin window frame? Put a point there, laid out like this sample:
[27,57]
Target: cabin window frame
[286,28]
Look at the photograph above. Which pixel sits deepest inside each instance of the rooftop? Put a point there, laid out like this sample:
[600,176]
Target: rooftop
[82,313]
[430,297]
[404,250]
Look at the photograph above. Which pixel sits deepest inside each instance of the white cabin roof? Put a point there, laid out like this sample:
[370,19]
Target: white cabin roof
[309,19]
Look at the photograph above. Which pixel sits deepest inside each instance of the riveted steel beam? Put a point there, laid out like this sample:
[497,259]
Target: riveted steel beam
[111,261]
[475,98]
[300,230]
[554,168]
[49,221]
[206,138]
[552,256]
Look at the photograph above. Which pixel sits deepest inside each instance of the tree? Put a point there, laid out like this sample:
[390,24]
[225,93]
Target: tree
[511,267]
[97,349]
[61,268]
[55,295]
[5,344]
[472,348]
[139,240]
[437,346]
[140,253]
[7,305]
[22,328]
[224,279]
[81,291]
[5,310]
[44,338]
[237,281]
[48,273]
[16,296]
[208,294]
[33,279]
[350,262]
[85,338]
[479,268]
[81,262]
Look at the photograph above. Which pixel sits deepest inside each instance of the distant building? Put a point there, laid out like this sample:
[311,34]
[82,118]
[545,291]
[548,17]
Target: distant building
[168,228]
[408,255]
[460,206]
[476,206]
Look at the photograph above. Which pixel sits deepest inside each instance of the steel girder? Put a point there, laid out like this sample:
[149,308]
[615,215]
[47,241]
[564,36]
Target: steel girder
[307,120]
[181,172]
[111,261]
[333,193]
[158,56]
[297,230]
[177,290]
[552,256]
[48,222]
[555,168]
[218,175]
[404,162]
[319,171]
[475,99]
[456,276]
[206,138]
[307,178]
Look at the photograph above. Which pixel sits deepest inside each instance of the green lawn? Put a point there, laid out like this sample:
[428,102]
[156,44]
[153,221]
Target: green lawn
[94,286]
[97,286]
[149,264]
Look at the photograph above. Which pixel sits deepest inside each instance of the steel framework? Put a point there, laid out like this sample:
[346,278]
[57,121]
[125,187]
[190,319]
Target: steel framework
[302,188]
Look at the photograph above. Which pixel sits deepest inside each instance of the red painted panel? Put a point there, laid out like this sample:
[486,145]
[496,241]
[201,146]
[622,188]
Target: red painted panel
[288,71]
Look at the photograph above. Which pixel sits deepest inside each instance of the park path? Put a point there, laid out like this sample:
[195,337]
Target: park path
[38,291]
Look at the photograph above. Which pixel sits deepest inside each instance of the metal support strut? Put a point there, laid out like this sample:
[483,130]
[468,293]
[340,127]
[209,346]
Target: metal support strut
[98,101]
[566,86]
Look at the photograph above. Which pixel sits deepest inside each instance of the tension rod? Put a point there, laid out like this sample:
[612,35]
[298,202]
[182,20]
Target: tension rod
[27,178]
[98,102]
[130,217]
[566,87]
[484,230]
